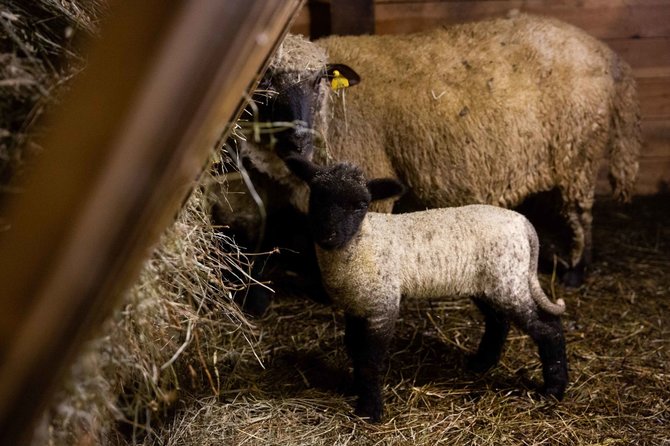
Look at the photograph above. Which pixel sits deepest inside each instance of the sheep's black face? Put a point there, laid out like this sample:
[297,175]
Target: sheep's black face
[338,203]
[286,104]
[285,110]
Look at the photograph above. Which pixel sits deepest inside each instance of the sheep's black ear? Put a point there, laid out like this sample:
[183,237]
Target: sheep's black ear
[302,167]
[345,71]
[382,188]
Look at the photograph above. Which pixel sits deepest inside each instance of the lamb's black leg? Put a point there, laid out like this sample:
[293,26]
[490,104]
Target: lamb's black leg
[495,335]
[547,332]
[368,349]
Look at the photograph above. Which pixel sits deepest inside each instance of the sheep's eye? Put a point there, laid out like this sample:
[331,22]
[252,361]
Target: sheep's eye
[362,204]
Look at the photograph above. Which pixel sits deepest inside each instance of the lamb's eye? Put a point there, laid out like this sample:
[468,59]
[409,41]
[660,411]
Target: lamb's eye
[362,204]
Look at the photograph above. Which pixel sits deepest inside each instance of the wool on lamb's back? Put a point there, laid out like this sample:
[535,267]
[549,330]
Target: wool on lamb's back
[465,251]
[485,112]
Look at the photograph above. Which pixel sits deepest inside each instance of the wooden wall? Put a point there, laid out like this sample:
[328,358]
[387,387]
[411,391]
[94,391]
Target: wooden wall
[639,30]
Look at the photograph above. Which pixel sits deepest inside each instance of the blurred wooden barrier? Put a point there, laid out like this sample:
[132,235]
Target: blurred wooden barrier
[121,156]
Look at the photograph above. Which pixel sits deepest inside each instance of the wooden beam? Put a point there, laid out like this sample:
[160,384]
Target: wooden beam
[352,17]
[160,87]
[605,19]
[341,17]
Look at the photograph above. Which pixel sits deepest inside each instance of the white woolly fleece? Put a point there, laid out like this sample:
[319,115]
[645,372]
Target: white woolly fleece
[479,251]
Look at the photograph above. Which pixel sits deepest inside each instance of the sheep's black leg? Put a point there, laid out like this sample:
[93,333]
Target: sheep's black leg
[495,335]
[547,332]
[580,223]
[368,349]
[256,300]
[574,276]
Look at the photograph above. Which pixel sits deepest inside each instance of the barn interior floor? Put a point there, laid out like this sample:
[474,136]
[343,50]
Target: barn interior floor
[618,334]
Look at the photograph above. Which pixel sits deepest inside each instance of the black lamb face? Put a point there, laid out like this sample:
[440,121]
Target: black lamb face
[339,198]
[337,206]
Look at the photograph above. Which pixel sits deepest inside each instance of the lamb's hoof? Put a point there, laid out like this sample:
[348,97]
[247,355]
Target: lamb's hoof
[371,408]
[476,364]
[556,391]
[256,301]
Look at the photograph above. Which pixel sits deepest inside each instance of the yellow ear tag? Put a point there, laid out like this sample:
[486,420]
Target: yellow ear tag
[338,82]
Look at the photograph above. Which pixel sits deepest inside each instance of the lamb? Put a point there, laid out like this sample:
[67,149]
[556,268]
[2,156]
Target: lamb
[490,112]
[369,260]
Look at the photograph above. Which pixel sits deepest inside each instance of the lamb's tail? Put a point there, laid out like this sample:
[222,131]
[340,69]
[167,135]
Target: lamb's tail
[536,291]
[626,135]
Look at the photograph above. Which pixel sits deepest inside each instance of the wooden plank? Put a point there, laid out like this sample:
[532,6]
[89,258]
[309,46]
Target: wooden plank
[345,17]
[648,57]
[654,174]
[656,139]
[301,22]
[602,18]
[112,177]
[654,178]
[352,17]
[654,95]
[648,183]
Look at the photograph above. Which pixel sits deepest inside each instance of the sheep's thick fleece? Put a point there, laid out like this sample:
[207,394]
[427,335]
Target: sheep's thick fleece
[475,251]
[486,112]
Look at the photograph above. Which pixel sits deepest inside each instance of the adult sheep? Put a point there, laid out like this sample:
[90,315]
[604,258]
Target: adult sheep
[369,261]
[490,112]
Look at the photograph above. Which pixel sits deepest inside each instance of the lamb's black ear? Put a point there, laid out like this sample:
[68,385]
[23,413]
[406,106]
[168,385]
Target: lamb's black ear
[344,71]
[382,188]
[302,167]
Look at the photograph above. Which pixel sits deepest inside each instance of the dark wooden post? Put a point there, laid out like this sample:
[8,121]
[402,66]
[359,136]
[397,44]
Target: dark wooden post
[341,17]
[159,89]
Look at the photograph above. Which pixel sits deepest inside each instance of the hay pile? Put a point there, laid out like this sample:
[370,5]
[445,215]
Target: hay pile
[177,331]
